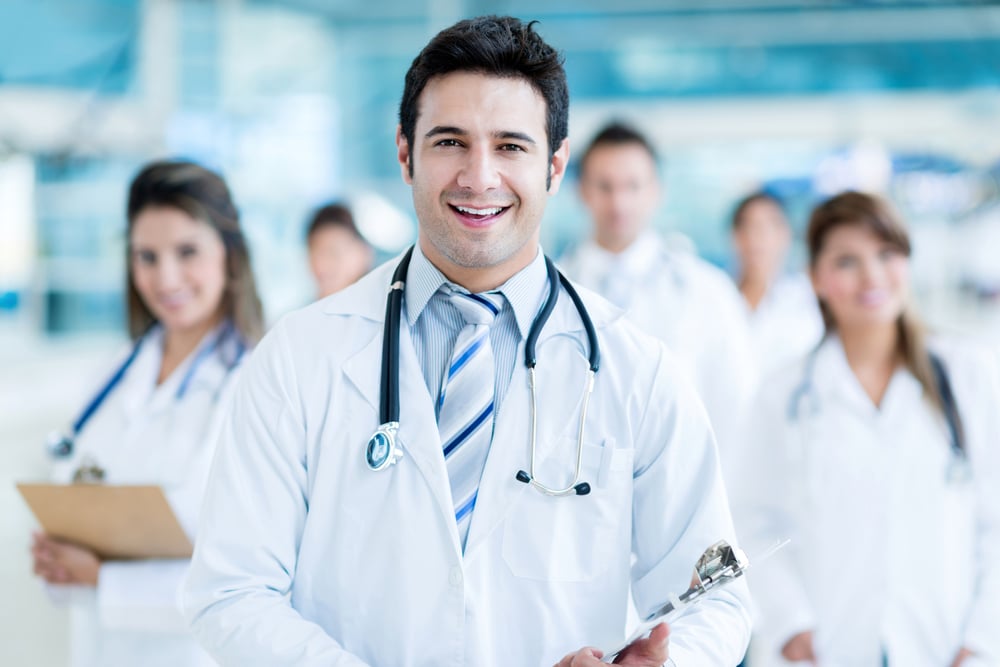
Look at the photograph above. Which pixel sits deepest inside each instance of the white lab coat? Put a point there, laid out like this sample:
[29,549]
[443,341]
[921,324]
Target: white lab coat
[307,557]
[142,434]
[691,306]
[786,324]
[886,553]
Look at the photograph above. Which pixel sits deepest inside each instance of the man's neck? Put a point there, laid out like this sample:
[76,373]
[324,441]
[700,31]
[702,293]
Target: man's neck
[480,279]
[615,244]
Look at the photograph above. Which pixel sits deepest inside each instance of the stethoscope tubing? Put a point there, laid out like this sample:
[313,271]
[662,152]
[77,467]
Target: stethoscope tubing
[65,446]
[382,452]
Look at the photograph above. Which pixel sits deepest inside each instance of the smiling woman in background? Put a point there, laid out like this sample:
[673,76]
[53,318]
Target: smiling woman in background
[193,311]
[879,456]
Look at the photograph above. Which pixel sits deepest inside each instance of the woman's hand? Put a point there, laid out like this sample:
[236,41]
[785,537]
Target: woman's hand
[799,648]
[648,652]
[63,563]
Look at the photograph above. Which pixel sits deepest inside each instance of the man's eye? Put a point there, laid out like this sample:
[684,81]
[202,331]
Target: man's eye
[146,257]
[448,143]
[512,148]
[187,251]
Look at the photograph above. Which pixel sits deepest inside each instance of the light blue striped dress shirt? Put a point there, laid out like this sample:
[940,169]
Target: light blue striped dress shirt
[435,323]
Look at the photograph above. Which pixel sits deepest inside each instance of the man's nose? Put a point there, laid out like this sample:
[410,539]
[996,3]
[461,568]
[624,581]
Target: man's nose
[479,171]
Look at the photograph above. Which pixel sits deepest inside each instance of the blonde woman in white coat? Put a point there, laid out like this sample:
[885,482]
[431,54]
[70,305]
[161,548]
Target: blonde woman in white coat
[193,311]
[879,456]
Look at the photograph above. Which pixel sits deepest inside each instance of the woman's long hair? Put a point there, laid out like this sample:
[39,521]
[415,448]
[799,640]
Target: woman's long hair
[875,214]
[204,196]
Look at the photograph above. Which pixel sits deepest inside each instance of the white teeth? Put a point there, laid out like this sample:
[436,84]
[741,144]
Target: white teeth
[479,211]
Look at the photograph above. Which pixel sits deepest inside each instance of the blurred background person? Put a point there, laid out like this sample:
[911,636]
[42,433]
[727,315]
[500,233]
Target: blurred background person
[677,297]
[781,307]
[193,312]
[338,253]
[877,455]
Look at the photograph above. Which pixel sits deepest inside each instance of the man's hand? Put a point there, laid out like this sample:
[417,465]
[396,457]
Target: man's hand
[648,652]
[63,563]
[799,648]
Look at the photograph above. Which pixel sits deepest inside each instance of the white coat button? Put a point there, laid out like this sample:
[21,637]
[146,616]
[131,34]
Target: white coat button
[455,576]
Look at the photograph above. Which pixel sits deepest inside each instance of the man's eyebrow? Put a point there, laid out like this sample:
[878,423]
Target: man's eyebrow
[501,134]
[444,129]
[520,136]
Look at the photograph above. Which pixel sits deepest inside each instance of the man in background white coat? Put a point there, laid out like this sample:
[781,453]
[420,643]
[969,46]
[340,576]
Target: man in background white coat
[684,301]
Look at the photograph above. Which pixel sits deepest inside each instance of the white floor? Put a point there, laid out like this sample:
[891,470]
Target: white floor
[41,386]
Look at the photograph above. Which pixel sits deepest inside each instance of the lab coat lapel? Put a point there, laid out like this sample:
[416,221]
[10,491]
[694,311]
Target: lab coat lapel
[418,433]
[560,377]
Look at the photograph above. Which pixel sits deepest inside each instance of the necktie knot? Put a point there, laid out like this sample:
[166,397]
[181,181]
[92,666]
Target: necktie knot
[477,308]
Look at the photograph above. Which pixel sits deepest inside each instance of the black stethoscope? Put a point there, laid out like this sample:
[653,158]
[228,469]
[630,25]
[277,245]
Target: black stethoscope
[958,470]
[61,446]
[383,451]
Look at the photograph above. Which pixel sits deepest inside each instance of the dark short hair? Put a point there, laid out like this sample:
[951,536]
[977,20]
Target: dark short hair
[204,195]
[500,46]
[333,215]
[759,196]
[617,133]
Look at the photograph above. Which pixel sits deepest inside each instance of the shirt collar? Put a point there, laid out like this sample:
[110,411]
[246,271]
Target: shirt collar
[525,290]
[641,256]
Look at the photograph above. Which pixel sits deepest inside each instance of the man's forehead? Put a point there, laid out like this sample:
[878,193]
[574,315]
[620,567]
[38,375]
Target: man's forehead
[508,98]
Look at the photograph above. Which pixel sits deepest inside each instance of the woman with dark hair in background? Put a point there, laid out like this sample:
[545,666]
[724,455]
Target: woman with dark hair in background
[193,311]
[781,308]
[879,456]
[338,254]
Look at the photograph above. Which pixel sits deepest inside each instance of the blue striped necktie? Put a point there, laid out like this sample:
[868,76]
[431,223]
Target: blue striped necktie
[465,407]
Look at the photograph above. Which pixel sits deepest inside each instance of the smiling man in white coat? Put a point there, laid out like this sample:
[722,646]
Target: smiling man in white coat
[328,539]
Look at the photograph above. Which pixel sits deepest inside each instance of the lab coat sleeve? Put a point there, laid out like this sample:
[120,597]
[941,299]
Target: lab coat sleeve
[763,501]
[237,595]
[981,628]
[680,508]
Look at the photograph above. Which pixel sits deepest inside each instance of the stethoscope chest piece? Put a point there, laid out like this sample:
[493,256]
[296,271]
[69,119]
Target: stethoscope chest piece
[59,446]
[382,450]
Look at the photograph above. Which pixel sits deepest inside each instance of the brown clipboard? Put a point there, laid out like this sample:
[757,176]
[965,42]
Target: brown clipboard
[117,522]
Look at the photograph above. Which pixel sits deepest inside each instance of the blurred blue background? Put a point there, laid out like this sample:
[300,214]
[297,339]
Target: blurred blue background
[295,102]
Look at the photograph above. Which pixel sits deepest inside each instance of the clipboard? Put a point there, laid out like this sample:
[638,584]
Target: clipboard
[117,522]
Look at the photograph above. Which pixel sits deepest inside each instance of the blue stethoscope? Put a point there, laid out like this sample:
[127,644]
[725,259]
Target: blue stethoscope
[959,470]
[61,446]
[383,451]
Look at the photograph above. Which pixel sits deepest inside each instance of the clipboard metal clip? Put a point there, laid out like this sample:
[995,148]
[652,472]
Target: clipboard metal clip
[720,564]
[89,472]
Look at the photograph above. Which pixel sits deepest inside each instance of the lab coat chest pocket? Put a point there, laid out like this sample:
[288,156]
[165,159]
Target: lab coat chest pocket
[571,538]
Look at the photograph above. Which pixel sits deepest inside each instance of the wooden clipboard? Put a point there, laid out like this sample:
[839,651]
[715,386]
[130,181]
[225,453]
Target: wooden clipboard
[117,522]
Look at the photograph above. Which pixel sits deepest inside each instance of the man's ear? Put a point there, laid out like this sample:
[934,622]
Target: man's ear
[557,166]
[404,156]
